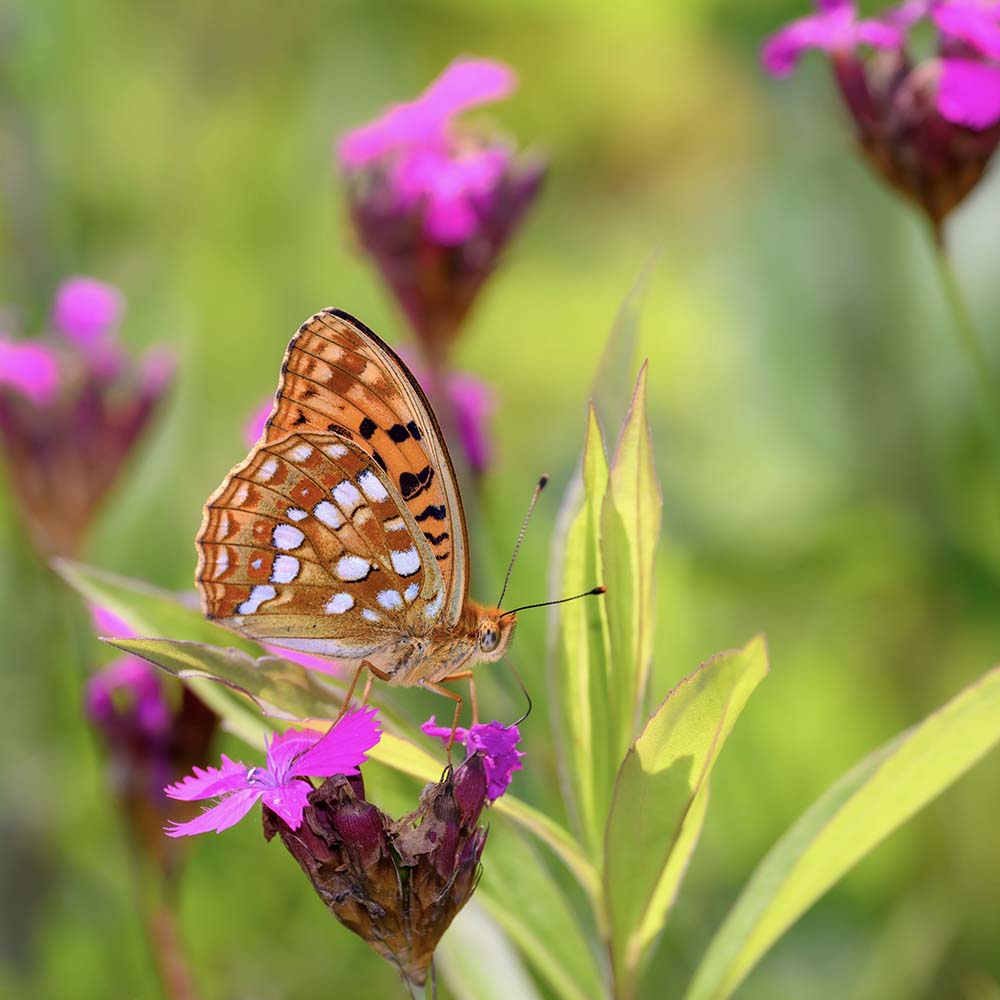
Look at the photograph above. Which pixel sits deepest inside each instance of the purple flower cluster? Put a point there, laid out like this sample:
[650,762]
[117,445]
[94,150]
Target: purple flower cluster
[72,406]
[928,127]
[434,201]
[494,742]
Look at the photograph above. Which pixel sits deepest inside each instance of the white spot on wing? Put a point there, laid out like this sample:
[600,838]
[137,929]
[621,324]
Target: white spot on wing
[352,568]
[221,563]
[394,524]
[261,593]
[372,488]
[296,514]
[411,593]
[405,563]
[335,450]
[267,469]
[256,563]
[390,599]
[329,514]
[347,495]
[338,604]
[434,607]
[285,536]
[224,524]
[241,494]
[300,452]
[285,569]
[369,615]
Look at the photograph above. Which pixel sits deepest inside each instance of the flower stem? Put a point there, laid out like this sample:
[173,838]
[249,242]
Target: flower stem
[965,329]
[160,916]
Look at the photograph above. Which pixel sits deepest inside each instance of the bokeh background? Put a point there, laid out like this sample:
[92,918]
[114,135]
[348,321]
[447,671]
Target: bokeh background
[826,471]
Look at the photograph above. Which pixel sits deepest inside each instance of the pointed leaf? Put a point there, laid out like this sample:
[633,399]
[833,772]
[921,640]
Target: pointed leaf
[630,522]
[660,800]
[844,824]
[581,649]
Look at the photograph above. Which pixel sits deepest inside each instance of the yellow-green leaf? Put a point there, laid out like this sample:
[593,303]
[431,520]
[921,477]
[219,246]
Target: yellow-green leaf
[844,824]
[660,799]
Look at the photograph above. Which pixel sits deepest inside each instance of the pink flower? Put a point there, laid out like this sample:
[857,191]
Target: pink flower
[129,688]
[969,91]
[496,743]
[282,784]
[433,201]
[833,28]
[31,369]
[87,310]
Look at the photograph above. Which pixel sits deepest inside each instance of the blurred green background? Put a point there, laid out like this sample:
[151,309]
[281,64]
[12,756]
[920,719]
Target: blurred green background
[826,472]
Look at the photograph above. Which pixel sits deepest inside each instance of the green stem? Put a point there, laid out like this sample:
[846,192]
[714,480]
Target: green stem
[965,329]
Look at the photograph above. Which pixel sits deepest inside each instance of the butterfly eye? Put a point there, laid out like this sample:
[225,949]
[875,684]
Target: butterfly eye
[489,637]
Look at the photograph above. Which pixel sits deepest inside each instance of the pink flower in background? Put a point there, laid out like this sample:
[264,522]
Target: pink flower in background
[835,27]
[927,127]
[29,368]
[129,687]
[496,743]
[291,757]
[434,201]
[72,407]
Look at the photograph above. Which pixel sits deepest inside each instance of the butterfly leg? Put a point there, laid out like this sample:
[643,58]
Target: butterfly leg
[461,676]
[456,698]
[373,672]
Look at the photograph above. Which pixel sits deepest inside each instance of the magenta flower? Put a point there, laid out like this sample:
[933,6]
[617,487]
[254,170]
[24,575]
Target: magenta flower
[435,202]
[72,407]
[253,429]
[496,743]
[86,310]
[282,784]
[928,127]
[129,687]
[29,368]
[833,28]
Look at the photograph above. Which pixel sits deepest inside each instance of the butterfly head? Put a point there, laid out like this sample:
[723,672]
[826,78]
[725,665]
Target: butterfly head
[493,634]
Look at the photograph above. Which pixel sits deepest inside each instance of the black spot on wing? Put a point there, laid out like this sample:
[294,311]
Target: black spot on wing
[379,460]
[436,539]
[368,428]
[300,419]
[414,430]
[436,511]
[398,433]
[340,429]
[413,484]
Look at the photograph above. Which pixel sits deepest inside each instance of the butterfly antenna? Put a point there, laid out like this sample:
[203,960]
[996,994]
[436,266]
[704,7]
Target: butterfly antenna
[520,537]
[524,691]
[562,600]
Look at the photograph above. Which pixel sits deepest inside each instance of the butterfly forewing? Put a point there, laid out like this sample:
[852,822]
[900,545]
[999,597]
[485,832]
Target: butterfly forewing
[308,544]
[338,377]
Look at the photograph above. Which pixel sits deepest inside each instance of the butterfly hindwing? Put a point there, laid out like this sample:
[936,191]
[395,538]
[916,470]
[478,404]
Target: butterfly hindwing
[308,544]
[338,377]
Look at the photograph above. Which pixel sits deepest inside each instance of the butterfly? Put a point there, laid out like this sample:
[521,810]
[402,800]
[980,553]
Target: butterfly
[342,533]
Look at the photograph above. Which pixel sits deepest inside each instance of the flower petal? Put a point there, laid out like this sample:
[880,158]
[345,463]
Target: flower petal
[29,368]
[495,741]
[85,310]
[208,782]
[972,23]
[107,623]
[343,748]
[969,93]
[289,801]
[253,429]
[219,817]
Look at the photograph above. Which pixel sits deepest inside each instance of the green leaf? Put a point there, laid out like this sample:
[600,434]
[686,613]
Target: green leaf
[581,642]
[844,824]
[660,800]
[630,522]
[148,610]
[477,961]
[521,894]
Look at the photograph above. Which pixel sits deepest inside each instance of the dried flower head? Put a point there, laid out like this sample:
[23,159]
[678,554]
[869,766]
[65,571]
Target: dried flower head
[396,884]
[928,127]
[434,201]
[72,407]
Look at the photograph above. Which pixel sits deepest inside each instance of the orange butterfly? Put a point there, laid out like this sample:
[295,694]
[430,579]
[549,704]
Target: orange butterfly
[343,532]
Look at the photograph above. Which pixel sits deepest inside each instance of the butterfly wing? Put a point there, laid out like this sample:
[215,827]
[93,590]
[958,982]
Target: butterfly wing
[307,544]
[339,377]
